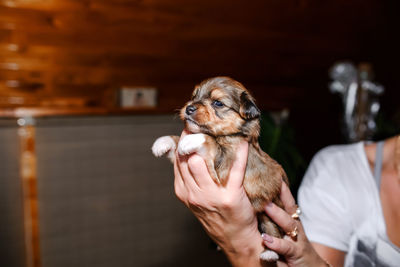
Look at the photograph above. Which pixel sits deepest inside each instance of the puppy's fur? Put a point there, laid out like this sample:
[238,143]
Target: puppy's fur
[220,115]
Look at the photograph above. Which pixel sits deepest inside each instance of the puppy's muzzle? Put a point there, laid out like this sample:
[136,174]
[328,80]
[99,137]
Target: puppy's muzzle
[190,109]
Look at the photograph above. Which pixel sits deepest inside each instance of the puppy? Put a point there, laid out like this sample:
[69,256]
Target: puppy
[219,116]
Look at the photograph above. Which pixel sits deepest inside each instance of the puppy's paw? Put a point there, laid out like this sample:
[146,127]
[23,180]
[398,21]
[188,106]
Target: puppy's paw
[162,145]
[191,143]
[269,255]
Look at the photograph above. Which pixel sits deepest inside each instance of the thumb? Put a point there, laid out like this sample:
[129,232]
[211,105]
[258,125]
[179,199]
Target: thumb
[238,169]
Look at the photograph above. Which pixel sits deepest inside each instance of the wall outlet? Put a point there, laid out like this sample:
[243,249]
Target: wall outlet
[131,97]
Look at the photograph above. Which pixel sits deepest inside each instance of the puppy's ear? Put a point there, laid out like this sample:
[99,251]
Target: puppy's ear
[195,91]
[248,110]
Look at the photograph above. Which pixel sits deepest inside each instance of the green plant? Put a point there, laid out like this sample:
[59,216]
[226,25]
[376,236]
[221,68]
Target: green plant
[277,139]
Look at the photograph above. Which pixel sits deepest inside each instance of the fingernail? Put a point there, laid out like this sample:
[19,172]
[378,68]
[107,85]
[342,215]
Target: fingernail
[269,205]
[267,238]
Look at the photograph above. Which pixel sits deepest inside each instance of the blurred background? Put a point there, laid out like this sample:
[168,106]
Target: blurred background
[86,86]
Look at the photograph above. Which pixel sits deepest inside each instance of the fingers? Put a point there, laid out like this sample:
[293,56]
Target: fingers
[193,169]
[281,246]
[280,217]
[179,186]
[287,199]
[191,174]
[199,171]
[238,169]
[185,174]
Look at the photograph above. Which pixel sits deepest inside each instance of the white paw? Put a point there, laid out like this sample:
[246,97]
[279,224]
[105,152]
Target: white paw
[191,143]
[162,145]
[269,255]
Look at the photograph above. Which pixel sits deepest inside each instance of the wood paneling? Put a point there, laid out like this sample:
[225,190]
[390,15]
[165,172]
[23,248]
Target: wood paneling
[280,50]
[30,194]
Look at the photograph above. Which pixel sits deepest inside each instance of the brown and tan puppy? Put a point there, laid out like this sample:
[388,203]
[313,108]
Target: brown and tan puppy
[219,116]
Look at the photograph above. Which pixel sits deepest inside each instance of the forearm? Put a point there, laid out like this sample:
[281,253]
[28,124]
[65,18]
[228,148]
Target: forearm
[333,256]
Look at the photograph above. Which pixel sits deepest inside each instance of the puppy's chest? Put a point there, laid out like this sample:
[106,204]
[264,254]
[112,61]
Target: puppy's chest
[224,158]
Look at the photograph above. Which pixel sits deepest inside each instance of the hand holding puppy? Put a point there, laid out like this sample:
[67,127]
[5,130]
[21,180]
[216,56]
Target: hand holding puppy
[228,217]
[224,211]
[298,252]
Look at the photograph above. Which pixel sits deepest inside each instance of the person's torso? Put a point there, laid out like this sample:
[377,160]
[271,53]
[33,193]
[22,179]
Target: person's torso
[369,245]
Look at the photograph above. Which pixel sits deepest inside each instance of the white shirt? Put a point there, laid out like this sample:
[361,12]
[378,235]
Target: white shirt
[341,207]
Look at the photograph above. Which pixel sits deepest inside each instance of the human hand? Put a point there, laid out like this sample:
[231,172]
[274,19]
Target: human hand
[229,218]
[298,251]
[224,211]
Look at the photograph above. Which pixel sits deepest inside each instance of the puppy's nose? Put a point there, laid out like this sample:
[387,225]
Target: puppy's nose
[190,109]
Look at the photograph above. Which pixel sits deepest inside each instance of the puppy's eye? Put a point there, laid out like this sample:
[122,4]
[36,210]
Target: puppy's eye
[217,103]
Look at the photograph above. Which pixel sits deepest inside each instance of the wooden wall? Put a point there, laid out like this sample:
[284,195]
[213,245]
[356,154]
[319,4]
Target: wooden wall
[80,51]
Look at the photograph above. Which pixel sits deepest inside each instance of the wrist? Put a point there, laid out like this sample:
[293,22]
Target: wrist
[247,257]
[245,252]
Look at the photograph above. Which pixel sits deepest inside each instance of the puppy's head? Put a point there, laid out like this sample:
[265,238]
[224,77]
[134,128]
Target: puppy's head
[221,106]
